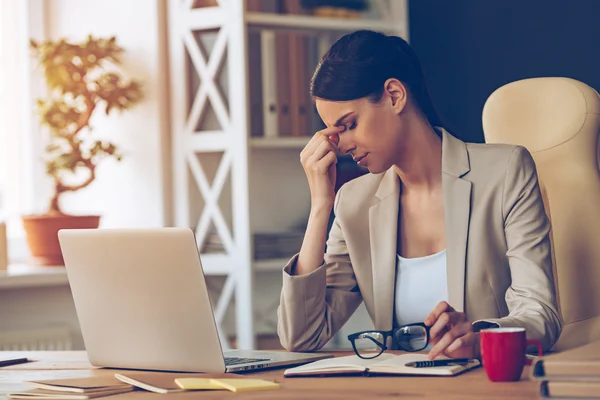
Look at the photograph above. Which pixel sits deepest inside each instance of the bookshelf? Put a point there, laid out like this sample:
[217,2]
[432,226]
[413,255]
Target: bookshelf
[258,20]
[280,143]
[230,177]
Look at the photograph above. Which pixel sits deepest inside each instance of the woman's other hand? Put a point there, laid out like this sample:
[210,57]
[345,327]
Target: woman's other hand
[451,333]
[318,159]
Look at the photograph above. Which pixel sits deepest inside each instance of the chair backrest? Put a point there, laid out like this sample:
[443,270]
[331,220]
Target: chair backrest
[558,121]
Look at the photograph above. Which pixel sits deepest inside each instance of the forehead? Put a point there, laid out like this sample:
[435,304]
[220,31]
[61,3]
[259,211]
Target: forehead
[330,111]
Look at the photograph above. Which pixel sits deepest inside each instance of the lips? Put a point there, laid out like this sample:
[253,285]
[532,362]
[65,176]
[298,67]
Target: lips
[360,158]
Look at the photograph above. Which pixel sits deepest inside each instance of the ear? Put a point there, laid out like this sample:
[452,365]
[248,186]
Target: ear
[396,93]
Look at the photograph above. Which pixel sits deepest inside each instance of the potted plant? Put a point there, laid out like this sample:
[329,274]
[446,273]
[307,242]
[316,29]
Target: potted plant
[83,79]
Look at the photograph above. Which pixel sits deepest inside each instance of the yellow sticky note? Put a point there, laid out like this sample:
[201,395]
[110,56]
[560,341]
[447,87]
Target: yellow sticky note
[243,385]
[197,384]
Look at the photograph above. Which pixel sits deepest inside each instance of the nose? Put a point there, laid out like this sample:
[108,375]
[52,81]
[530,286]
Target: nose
[345,146]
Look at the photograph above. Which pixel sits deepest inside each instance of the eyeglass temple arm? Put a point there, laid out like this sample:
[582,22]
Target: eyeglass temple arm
[382,345]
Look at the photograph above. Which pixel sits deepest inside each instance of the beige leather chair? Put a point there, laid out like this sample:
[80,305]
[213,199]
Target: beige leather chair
[558,121]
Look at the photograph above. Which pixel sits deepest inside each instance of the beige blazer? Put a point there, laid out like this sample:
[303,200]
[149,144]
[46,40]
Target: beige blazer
[499,264]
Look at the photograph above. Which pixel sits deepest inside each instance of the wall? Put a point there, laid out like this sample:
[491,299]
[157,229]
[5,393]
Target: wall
[471,47]
[134,192]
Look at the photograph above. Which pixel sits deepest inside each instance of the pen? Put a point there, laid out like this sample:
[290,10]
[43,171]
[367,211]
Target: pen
[13,361]
[438,363]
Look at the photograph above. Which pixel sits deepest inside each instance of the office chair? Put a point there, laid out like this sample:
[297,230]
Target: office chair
[558,121]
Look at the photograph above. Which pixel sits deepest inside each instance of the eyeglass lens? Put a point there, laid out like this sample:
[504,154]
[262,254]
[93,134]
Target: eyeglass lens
[369,344]
[412,338]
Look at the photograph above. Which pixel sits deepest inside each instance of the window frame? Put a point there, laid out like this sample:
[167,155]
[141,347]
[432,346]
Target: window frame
[22,165]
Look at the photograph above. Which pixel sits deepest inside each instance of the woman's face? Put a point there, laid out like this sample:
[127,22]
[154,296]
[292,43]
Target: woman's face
[373,134]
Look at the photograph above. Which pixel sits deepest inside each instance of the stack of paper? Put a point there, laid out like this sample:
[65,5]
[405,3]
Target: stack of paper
[74,389]
[573,373]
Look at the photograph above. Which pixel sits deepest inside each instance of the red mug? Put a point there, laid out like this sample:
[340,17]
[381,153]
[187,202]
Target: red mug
[503,353]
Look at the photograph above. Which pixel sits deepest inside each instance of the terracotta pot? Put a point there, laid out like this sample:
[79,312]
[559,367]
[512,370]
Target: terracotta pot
[42,234]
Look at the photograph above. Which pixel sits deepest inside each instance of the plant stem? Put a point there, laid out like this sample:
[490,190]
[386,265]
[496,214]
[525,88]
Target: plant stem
[59,186]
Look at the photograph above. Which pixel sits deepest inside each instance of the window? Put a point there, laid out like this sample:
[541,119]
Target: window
[9,192]
[18,168]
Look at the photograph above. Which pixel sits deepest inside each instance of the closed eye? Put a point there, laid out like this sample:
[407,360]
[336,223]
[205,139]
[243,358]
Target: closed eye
[352,125]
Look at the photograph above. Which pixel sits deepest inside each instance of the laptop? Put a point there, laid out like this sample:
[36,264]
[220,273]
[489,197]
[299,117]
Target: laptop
[142,303]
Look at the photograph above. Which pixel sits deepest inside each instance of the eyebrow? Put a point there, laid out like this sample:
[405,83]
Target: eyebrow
[340,119]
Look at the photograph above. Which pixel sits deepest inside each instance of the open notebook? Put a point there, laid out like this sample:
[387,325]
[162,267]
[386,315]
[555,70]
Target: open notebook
[384,364]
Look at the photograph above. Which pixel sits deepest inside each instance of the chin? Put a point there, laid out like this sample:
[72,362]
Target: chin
[376,169]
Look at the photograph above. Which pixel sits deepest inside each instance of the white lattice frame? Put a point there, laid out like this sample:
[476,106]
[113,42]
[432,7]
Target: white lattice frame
[235,264]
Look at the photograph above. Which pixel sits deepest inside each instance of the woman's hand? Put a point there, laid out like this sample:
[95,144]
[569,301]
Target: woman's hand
[451,333]
[318,159]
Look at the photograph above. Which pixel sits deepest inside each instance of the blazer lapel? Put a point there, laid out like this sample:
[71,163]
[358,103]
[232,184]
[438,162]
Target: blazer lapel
[457,208]
[383,228]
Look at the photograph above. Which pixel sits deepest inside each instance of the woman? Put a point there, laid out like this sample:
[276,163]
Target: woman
[442,232]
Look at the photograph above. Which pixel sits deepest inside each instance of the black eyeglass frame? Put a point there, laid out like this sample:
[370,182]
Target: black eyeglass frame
[386,334]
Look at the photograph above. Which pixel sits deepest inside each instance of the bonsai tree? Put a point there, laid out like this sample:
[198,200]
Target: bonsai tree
[81,79]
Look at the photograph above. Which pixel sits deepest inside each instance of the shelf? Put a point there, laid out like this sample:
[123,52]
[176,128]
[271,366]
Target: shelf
[280,143]
[25,276]
[311,23]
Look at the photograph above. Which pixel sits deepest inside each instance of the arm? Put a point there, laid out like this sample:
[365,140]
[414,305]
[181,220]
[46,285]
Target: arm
[531,298]
[316,304]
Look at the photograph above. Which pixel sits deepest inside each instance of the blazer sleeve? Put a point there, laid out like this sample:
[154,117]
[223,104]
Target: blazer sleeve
[315,306]
[531,298]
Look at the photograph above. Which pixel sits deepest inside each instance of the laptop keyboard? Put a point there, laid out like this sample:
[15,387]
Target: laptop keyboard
[237,360]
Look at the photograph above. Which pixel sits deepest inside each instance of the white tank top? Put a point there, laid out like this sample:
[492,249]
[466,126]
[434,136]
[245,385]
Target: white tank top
[421,283]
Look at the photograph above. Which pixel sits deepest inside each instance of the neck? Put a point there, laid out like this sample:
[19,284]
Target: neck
[420,163]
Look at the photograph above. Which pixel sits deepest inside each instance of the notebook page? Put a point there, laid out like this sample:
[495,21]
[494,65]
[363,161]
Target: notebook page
[397,365]
[347,363]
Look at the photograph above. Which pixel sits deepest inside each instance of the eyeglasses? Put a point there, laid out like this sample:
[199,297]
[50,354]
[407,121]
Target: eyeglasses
[371,344]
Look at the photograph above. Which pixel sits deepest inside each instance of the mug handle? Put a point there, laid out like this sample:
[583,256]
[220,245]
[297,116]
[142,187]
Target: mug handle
[538,344]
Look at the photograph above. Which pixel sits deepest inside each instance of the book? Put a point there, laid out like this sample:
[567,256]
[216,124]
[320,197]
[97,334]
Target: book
[40,394]
[233,385]
[269,84]
[574,389]
[163,382]
[581,362]
[282,82]
[386,363]
[298,75]
[81,385]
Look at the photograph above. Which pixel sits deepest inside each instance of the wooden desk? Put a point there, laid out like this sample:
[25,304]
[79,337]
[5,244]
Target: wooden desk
[471,385]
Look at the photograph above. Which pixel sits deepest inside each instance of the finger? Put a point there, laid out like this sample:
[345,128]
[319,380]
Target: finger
[324,163]
[434,340]
[332,130]
[455,333]
[329,133]
[335,138]
[447,319]
[442,307]
[463,341]
[314,144]
[324,148]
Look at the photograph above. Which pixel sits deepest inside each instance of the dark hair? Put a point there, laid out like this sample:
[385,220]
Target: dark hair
[359,63]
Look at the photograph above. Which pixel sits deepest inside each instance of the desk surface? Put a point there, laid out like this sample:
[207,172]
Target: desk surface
[471,385]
